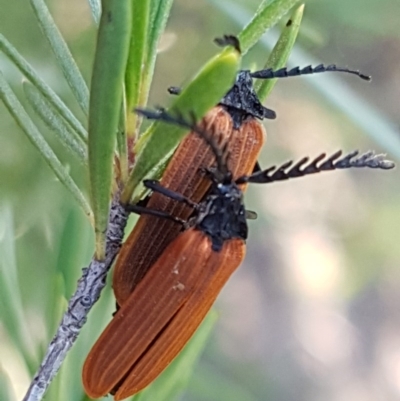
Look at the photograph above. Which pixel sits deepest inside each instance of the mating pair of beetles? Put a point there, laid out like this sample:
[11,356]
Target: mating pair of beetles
[191,235]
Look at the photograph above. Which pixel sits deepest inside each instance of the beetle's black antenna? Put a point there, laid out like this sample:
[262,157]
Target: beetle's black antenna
[320,163]
[221,173]
[294,72]
[269,73]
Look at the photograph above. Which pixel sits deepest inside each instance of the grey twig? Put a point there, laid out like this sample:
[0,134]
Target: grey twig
[87,293]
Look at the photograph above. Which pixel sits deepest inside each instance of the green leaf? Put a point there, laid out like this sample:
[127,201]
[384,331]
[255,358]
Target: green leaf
[212,82]
[95,7]
[24,121]
[73,250]
[12,309]
[281,51]
[105,107]
[213,384]
[267,15]
[5,386]
[63,55]
[136,59]
[173,381]
[159,13]
[56,302]
[122,143]
[56,124]
[157,19]
[47,92]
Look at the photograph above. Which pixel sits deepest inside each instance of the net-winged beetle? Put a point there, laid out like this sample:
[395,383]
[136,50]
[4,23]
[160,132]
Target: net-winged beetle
[169,303]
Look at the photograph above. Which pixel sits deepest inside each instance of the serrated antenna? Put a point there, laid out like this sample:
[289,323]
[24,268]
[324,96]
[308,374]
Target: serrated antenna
[294,72]
[303,167]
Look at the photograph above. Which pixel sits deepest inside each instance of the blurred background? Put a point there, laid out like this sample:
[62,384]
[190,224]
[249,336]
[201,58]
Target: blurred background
[314,311]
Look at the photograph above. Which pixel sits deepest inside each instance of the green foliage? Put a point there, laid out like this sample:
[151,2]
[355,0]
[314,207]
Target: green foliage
[13,317]
[280,53]
[62,54]
[105,107]
[55,123]
[26,69]
[267,15]
[136,61]
[159,13]
[25,122]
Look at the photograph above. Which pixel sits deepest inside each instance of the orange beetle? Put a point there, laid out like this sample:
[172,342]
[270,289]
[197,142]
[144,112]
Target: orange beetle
[170,302]
[236,120]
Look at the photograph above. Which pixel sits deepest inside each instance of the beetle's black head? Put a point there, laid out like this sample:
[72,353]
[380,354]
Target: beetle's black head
[242,102]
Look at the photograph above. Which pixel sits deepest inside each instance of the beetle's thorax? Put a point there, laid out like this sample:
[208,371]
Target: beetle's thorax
[222,215]
[242,102]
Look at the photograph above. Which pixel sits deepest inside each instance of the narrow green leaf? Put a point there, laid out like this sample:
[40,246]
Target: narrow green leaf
[63,55]
[73,250]
[159,13]
[47,92]
[12,310]
[56,124]
[95,7]
[267,15]
[56,302]
[5,386]
[173,381]
[205,91]
[281,51]
[24,121]
[136,59]
[105,107]
[122,141]
[213,384]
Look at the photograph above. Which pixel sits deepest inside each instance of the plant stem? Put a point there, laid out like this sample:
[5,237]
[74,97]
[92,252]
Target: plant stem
[87,293]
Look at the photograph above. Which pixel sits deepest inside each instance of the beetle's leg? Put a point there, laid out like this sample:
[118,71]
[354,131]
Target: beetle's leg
[155,186]
[251,215]
[257,167]
[153,212]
